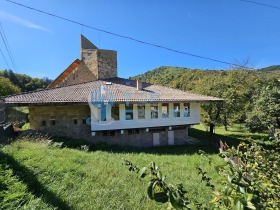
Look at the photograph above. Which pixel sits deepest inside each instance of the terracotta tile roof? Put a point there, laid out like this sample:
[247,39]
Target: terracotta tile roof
[116,89]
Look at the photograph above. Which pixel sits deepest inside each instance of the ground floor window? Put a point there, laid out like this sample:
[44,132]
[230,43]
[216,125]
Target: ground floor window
[108,133]
[133,131]
[52,122]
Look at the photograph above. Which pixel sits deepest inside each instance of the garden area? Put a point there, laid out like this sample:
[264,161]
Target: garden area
[45,173]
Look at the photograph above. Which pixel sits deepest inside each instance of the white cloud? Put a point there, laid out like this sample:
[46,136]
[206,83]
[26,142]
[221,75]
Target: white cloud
[21,21]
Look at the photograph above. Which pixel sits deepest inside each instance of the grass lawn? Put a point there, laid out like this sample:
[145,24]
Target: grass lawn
[232,136]
[34,175]
[38,176]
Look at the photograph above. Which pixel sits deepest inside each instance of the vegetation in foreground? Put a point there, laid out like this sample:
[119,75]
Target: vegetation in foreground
[37,175]
[250,175]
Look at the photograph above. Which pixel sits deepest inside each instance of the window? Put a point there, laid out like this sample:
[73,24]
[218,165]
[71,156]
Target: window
[74,76]
[84,121]
[158,129]
[187,110]
[129,112]
[141,111]
[103,113]
[75,121]
[176,109]
[133,131]
[154,111]
[165,110]
[44,123]
[115,112]
[52,122]
[179,127]
[108,133]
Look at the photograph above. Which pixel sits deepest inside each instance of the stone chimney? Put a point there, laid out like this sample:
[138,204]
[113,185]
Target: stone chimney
[139,85]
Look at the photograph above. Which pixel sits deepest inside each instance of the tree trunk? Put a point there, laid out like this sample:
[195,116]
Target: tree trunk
[225,123]
[211,128]
[211,133]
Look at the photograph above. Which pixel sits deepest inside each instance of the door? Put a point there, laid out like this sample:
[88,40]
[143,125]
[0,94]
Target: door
[170,137]
[156,139]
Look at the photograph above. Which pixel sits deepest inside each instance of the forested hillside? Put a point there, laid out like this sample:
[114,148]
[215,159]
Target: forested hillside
[242,90]
[14,83]
[186,79]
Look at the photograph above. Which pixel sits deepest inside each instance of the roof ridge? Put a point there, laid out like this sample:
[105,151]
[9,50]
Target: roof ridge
[34,91]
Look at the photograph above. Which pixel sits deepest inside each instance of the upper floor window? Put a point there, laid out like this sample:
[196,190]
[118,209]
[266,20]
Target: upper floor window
[115,112]
[154,111]
[165,110]
[103,113]
[187,110]
[129,112]
[141,111]
[176,109]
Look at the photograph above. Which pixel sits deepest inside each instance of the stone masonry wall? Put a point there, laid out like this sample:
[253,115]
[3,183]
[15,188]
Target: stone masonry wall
[64,117]
[143,139]
[80,75]
[101,64]
[91,62]
[107,64]
[70,121]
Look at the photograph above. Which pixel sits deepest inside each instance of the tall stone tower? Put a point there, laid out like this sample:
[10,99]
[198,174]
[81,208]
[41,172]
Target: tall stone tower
[86,47]
[94,64]
[102,63]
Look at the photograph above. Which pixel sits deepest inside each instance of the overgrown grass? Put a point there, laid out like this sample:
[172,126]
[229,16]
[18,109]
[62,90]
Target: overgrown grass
[74,179]
[35,175]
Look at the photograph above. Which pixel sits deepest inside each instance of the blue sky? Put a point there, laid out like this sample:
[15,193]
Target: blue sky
[227,30]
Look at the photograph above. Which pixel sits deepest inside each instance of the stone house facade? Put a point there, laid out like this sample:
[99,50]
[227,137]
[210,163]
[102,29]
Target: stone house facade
[89,101]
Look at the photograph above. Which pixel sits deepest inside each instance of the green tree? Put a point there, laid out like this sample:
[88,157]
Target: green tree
[266,111]
[25,82]
[7,88]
